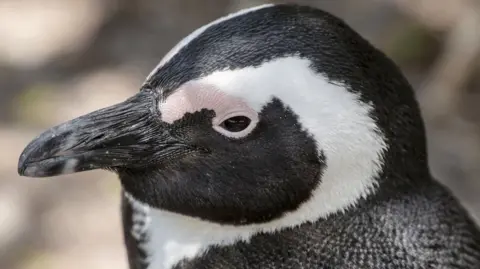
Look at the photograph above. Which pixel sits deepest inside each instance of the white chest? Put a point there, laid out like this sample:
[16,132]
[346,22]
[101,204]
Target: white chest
[171,241]
[173,237]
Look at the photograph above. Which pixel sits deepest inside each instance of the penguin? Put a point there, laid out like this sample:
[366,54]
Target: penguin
[273,137]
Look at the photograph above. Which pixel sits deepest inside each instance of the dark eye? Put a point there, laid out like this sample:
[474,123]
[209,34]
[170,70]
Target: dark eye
[235,124]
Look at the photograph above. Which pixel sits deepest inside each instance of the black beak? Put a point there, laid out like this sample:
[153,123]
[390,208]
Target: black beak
[129,134]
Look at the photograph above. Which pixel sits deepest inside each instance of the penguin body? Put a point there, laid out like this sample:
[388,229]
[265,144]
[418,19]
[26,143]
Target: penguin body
[275,137]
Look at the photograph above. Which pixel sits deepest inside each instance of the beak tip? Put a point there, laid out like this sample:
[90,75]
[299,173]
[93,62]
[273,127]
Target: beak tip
[21,170]
[22,163]
[26,171]
[32,161]
[29,164]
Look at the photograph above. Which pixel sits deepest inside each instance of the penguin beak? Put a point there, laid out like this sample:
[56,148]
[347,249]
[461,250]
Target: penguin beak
[129,134]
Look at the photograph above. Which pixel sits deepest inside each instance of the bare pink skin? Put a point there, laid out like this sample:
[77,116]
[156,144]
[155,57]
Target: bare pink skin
[194,96]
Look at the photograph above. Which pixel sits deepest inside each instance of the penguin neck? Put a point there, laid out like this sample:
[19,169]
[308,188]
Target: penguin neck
[173,238]
[405,167]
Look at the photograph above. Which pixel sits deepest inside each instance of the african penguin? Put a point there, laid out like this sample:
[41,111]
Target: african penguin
[274,137]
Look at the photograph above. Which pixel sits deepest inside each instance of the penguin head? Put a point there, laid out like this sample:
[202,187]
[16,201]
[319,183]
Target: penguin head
[273,113]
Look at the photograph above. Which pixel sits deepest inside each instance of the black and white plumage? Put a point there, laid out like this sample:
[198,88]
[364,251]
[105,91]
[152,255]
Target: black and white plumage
[275,137]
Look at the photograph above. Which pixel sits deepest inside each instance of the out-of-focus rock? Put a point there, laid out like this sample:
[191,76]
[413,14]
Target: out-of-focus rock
[33,32]
[56,103]
[83,232]
[88,218]
[13,216]
[454,154]
[77,258]
[439,17]
[109,86]
[165,14]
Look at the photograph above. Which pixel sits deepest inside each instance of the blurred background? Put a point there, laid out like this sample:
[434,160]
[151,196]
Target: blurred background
[63,58]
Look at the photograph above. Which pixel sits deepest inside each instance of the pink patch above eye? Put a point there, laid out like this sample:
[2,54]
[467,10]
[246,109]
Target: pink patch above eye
[193,97]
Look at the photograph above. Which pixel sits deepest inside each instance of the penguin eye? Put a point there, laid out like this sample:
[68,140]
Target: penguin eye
[236,124]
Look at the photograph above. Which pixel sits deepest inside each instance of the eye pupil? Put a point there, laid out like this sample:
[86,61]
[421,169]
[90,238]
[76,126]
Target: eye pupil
[236,124]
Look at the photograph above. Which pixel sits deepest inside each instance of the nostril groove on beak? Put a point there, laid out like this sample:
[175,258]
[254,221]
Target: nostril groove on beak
[98,137]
